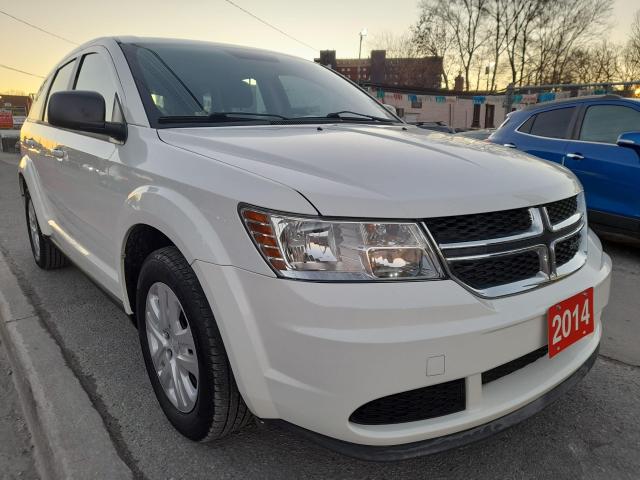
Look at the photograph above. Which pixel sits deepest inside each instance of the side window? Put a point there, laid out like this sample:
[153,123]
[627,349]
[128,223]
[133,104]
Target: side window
[60,82]
[604,123]
[526,126]
[95,76]
[35,112]
[553,124]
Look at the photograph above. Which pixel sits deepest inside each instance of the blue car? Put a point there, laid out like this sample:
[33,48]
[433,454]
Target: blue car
[598,139]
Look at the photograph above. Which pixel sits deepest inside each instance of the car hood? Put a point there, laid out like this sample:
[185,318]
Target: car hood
[356,170]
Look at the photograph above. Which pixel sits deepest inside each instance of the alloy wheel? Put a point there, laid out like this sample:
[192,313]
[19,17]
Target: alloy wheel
[33,230]
[172,347]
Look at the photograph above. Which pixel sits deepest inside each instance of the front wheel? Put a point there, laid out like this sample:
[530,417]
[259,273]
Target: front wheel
[183,351]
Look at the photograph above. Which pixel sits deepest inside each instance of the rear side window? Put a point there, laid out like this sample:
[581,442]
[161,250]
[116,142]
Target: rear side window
[526,126]
[95,76]
[60,82]
[552,124]
[604,123]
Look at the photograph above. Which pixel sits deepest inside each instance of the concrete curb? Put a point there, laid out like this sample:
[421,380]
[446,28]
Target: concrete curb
[69,435]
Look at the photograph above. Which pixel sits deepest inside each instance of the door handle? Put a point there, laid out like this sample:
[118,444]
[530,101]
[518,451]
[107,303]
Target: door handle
[575,156]
[57,153]
[509,145]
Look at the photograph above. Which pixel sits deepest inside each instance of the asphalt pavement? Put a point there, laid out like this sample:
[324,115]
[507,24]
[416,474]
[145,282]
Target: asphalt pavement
[593,432]
[16,455]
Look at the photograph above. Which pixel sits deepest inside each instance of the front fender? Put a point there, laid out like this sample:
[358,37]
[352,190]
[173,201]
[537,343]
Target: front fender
[212,238]
[175,216]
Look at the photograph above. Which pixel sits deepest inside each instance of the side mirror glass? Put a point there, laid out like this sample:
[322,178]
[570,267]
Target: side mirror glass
[629,140]
[83,111]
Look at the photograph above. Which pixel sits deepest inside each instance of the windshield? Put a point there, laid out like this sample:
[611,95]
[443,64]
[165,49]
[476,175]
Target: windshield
[220,83]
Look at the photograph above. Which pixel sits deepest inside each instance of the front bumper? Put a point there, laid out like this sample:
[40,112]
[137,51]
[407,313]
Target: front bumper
[430,446]
[312,353]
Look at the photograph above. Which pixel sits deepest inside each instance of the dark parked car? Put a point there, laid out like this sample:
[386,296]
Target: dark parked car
[598,139]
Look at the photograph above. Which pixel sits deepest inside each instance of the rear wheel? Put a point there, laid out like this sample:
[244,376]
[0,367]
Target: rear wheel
[46,255]
[183,351]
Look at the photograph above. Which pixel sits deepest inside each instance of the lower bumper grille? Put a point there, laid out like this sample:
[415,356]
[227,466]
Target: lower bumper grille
[513,366]
[420,404]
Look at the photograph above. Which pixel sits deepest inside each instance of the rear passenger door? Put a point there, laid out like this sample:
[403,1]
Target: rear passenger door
[610,174]
[39,140]
[545,133]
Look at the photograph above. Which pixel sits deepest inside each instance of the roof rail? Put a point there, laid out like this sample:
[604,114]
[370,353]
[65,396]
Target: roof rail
[609,96]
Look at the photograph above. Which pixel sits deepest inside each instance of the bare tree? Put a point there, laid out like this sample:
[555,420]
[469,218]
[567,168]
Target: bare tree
[496,33]
[630,55]
[519,19]
[432,36]
[599,63]
[537,41]
[562,27]
[463,24]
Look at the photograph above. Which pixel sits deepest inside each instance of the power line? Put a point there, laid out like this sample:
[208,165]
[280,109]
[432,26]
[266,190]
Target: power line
[271,25]
[20,71]
[38,28]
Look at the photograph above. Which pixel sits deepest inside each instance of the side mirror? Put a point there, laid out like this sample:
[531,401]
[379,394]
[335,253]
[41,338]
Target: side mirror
[83,111]
[630,140]
[391,108]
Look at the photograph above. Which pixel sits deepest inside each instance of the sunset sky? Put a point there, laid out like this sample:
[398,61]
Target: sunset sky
[325,24]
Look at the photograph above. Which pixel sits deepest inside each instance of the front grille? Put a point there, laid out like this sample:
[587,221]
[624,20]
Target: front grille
[561,210]
[481,226]
[414,405]
[567,249]
[506,252]
[514,365]
[490,272]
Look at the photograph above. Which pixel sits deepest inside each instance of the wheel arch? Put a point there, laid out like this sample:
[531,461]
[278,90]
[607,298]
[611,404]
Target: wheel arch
[154,217]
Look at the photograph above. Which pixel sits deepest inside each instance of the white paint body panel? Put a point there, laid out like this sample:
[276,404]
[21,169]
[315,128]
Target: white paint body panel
[383,171]
[310,353]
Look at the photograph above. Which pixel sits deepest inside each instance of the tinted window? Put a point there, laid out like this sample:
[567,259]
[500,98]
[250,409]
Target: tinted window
[95,76]
[526,126]
[552,124]
[193,79]
[60,82]
[35,113]
[604,123]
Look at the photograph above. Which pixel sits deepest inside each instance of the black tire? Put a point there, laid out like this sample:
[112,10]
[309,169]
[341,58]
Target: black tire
[46,255]
[219,409]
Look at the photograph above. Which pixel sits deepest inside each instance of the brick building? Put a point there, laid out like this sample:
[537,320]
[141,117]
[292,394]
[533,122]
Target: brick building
[425,72]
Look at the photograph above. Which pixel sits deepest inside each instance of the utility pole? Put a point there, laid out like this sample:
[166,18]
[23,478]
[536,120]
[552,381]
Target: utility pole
[363,33]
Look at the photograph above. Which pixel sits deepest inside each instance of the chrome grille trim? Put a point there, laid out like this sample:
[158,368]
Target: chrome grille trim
[542,237]
[579,258]
[537,227]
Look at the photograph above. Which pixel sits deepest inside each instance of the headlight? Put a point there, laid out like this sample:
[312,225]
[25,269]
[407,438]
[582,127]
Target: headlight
[314,249]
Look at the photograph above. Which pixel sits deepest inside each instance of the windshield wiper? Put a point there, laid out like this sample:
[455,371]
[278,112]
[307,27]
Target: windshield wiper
[219,117]
[363,115]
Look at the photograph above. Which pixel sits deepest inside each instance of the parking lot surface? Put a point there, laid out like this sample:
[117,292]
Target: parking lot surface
[591,433]
[16,450]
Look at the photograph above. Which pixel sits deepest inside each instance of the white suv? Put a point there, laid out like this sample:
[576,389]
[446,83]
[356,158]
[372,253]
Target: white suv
[293,250]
